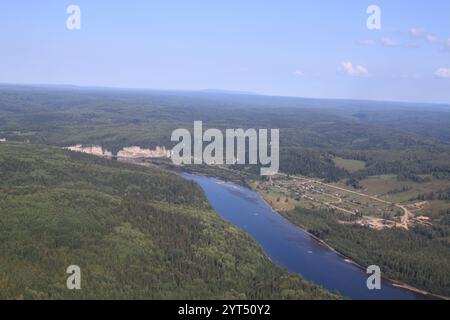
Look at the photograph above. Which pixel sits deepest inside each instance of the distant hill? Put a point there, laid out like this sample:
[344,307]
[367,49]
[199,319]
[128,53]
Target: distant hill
[392,138]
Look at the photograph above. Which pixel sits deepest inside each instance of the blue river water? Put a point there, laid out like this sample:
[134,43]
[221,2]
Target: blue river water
[291,247]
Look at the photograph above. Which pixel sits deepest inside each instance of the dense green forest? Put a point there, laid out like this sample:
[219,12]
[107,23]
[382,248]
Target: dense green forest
[136,233]
[126,208]
[419,257]
[310,129]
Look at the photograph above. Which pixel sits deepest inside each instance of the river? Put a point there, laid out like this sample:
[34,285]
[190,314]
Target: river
[291,247]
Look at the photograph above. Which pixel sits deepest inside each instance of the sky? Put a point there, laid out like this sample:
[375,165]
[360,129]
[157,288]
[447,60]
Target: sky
[318,49]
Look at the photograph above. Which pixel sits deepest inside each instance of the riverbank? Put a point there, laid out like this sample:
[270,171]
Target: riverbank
[341,254]
[349,259]
[290,247]
[244,183]
[301,259]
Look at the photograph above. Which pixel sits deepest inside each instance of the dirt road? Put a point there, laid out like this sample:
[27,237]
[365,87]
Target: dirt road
[407,213]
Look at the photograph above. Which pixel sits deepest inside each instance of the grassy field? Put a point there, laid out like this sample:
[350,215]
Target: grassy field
[277,200]
[349,165]
[393,189]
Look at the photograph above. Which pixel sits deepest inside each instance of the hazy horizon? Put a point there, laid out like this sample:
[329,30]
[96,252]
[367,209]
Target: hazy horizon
[211,91]
[321,50]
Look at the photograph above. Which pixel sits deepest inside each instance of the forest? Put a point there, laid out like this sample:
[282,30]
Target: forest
[57,207]
[311,131]
[419,257]
[135,232]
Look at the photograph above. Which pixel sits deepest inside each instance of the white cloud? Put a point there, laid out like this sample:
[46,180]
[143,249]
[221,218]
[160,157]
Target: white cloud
[417,32]
[432,38]
[387,42]
[448,43]
[354,71]
[443,73]
[299,73]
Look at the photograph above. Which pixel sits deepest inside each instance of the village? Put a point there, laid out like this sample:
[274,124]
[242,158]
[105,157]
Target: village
[285,193]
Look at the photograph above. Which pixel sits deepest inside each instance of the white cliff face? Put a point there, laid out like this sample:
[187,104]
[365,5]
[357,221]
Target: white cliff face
[94,150]
[138,152]
[126,153]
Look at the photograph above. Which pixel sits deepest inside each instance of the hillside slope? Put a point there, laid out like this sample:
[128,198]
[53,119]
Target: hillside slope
[136,233]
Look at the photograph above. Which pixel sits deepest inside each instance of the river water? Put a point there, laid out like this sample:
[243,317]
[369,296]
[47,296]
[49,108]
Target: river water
[291,247]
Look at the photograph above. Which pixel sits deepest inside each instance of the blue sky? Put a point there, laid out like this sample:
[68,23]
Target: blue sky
[319,49]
